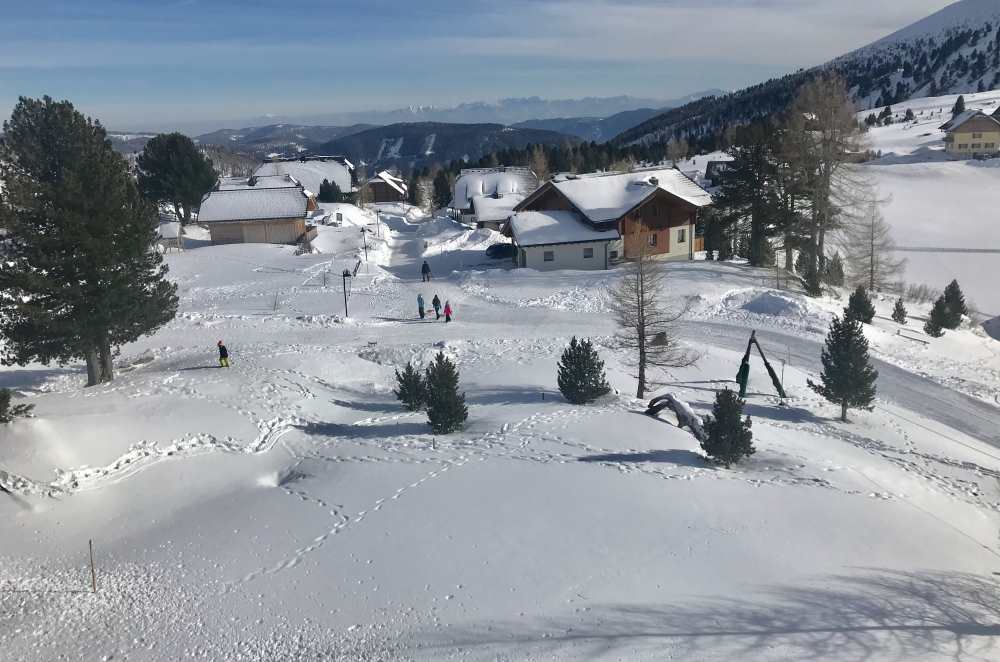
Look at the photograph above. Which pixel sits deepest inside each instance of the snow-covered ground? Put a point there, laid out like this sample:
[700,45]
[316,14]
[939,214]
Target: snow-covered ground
[288,509]
[937,203]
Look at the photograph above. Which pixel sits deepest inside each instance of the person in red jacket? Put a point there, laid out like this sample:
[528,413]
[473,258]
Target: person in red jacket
[447,312]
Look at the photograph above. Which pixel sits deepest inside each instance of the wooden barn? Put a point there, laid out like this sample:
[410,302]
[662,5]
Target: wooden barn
[256,215]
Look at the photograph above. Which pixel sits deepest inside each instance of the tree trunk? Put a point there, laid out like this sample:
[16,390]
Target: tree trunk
[843,411]
[177,212]
[187,215]
[93,367]
[107,362]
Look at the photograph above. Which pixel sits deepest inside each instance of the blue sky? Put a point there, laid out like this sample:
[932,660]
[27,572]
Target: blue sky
[161,64]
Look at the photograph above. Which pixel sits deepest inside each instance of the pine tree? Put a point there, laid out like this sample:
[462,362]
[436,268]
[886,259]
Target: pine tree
[899,312]
[7,412]
[859,306]
[728,436]
[581,373]
[412,391]
[848,378]
[329,192]
[835,271]
[955,302]
[442,189]
[959,107]
[171,170]
[910,117]
[80,275]
[937,321]
[446,410]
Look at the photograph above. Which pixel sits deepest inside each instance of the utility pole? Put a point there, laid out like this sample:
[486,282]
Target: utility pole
[364,236]
[345,275]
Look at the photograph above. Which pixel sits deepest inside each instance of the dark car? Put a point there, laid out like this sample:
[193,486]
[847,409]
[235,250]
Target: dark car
[500,251]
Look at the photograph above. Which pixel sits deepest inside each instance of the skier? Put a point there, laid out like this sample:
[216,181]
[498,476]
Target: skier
[447,312]
[425,272]
[223,355]
[420,305]
[436,302]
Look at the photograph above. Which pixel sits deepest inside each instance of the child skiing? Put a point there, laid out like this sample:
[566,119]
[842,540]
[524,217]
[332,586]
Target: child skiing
[436,302]
[420,305]
[447,312]
[223,355]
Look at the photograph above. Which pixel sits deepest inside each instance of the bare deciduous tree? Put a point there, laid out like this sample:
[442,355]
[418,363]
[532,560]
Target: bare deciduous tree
[539,164]
[363,196]
[870,250]
[677,150]
[647,323]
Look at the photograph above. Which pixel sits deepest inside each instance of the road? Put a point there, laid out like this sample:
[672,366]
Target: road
[966,414]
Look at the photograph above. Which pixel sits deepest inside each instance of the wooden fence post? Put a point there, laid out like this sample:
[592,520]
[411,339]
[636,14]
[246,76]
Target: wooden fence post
[93,573]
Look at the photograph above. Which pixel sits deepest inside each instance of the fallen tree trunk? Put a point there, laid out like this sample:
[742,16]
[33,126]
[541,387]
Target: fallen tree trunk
[686,418]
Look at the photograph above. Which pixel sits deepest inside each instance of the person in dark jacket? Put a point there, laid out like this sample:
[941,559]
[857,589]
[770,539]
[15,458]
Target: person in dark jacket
[447,312]
[420,305]
[436,302]
[425,272]
[223,355]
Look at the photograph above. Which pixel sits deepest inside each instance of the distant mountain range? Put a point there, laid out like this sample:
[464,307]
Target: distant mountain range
[955,50]
[415,144]
[597,129]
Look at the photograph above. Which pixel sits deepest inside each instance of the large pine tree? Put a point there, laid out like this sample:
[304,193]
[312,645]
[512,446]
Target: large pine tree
[581,373]
[173,171]
[848,378]
[937,321]
[446,410]
[80,276]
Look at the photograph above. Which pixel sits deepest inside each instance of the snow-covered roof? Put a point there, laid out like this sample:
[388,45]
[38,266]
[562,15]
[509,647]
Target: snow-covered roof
[495,209]
[395,182]
[491,182]
[543,228]
[310,173]
[607,197]
[965,116]
[251,204]
[267,181]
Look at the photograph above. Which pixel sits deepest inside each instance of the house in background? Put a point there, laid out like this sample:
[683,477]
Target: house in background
[558,239]
[311,171]
[972,133]
[493,211]
[256,214]
[489,183]
[386,187]
[716,170]
[654,210]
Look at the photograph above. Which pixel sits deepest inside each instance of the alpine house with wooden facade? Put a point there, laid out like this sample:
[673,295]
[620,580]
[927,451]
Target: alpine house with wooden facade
[264,209]
[650,210]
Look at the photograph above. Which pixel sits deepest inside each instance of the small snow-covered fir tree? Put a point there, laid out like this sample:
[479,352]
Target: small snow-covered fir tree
[728,437]
[955,303]
[937,321]
[899,312]
[581,373]
[848,378]
[959,107]
[412,391]
[859,306]
[446,410]
[9,412]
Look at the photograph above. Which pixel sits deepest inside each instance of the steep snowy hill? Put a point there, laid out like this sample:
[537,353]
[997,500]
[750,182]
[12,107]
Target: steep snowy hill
[956,50]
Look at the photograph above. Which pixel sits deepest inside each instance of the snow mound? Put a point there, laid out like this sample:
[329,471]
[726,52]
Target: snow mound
[772,308]
[469,240]
[773,303]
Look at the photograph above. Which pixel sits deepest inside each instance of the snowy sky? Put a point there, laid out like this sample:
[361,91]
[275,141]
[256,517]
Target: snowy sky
[152,64]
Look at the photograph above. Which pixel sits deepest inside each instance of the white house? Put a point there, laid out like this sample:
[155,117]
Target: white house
[489,183]
[548,240]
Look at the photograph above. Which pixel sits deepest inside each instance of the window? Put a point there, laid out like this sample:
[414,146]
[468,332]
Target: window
[588,253]
[964,146]
[990,146]
[340,217]
[682,235]
[977,136]
[549,256]
[977,145]
[613,255]
[652,239]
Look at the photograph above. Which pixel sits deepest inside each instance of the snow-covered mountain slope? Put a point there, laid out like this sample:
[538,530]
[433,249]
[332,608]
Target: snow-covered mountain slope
[957,50]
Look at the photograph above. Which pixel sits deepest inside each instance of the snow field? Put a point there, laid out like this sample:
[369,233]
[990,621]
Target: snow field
[288,508]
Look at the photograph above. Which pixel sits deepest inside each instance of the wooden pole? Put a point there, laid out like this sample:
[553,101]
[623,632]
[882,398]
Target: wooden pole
[93,573]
